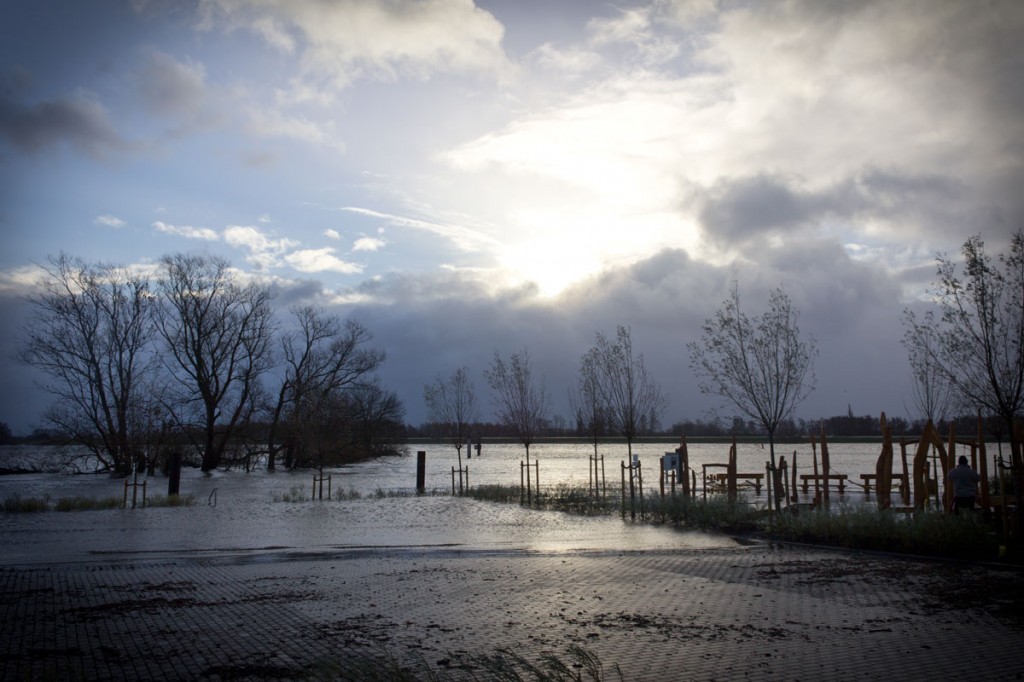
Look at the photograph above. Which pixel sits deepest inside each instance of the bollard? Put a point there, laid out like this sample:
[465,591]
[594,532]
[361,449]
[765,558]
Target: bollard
[174,474]
[421,471]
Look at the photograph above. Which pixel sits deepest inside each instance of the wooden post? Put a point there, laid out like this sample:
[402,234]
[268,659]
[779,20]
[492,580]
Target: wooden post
[817,488]
[785,479]
[826,469]
[883,468]
[421,471]
[921,468]
[174,473]
[661,476]
[731,471]
[640,486]
[947,498]
[792,486]
[624,489]
[905,488]
[604,487]
[522,487]
[684,466]
[983,466]
[632,491]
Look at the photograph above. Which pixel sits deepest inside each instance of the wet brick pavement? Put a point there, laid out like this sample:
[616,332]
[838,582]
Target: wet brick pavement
[757,613]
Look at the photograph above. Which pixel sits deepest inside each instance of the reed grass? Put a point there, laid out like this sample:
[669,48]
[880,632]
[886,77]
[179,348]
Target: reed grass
[928,533]
[79,503]
[171,501]
[17,504]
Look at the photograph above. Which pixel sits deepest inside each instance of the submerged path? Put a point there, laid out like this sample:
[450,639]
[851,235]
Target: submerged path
[753,613]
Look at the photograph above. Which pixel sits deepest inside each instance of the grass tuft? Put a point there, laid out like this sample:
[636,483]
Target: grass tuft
[171,501]
[67,504]
[19,505]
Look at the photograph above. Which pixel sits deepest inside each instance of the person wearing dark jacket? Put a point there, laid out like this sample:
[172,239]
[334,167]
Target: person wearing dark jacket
[964,480]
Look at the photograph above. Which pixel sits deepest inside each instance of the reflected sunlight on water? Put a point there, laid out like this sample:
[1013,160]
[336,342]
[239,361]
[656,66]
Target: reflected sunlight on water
[246,517]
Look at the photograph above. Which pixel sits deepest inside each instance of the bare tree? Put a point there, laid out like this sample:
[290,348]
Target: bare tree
[90,331]
[519,401]
[217,334]
[632,400]
[323,357]
[760,365]
[586,401]
[980,334]
[451,403]
[930,387]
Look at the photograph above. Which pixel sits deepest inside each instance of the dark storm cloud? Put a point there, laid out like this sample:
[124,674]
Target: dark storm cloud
[737,210]
[79,121]
[851,308]
[299,292]
[170,87]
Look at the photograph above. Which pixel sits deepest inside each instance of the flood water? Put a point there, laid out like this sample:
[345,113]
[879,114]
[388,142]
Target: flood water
[241,512]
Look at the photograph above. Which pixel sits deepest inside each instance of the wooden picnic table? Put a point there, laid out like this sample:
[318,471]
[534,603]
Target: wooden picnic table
[807,478]
[900,479]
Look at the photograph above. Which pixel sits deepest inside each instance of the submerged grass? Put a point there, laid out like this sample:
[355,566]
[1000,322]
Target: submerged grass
[849,526]
[930,533]
[17,504]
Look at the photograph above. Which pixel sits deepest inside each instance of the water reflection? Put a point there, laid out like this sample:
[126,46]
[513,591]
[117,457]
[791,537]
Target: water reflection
[246,519]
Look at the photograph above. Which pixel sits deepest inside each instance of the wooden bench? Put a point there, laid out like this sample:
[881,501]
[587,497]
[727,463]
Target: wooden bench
[899,479]
[807,478]
[748,480]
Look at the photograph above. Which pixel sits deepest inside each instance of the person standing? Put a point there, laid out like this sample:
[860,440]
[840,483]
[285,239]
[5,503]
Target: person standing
[964,480]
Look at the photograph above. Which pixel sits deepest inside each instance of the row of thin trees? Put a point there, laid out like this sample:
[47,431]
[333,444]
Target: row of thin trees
[967,354]
[191,355]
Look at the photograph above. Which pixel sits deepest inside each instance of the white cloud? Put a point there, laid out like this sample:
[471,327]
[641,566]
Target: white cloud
[572,61]
[267,122]
[346,40]
[187,231]
[321,260]
[21,280]
[264,252]
[466,239]
[368,244]
[332,234]
[108,220]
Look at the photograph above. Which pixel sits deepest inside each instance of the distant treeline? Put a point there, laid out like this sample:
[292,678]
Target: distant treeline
[843,426]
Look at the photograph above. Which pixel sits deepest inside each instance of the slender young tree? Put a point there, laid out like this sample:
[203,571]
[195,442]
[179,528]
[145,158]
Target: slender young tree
[931,390]
[520,402]
[632,400]
[90,330]
[217,335]
[451,404]
[586,402]
[760,365]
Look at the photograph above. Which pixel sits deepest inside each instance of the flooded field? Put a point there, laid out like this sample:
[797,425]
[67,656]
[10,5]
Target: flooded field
[242,512]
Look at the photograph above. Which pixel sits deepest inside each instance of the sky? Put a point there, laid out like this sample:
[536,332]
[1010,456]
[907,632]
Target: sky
[469,177]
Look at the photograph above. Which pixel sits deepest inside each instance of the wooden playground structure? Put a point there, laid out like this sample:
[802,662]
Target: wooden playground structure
[923,466]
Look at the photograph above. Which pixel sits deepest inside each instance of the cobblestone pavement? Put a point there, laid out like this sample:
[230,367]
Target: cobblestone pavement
[757,613]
